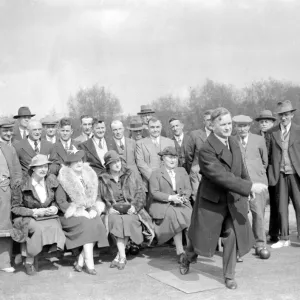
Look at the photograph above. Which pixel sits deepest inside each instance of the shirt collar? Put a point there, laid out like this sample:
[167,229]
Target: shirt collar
[179,137]
[51,139]
[118,141]
[35,183]
[245,139]
[287,127]
[207,131]
[222,140]
[157,139]
[64,142]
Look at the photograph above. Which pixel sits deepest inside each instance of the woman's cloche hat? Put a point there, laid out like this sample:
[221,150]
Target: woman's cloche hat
[168,151]
[74,155]
[39,160]
[110,156]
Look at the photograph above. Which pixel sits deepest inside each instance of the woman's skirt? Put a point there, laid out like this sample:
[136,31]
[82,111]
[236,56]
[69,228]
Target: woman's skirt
[122,226]
[81,230]
[42,233]
[177,219]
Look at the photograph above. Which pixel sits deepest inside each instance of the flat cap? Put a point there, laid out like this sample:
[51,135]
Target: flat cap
[168,151]
[6,123]
[242,119]
[50,120]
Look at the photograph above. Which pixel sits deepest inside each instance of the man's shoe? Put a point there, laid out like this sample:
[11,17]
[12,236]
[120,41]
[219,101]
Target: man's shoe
[281,243]
[239,259]
[272,239]
[230,284]
[184,265]
[30,269]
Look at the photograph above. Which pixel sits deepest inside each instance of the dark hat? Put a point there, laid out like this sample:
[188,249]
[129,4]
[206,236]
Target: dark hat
[146,109]
[168,151]
[23,111]
[242,119]
[110,156]
[265,115]
[49,120]
[74,155]
[39,160]
[6,123]
[284,106]
[135,124]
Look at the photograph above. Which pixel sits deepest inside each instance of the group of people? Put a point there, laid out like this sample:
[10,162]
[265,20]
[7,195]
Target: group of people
[140,186]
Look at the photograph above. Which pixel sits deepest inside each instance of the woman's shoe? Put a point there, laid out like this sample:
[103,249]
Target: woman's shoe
[89,271]
[122,263]
[115,262]
[77,268]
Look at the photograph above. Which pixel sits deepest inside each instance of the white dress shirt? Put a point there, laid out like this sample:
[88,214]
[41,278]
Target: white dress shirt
[244,140]
[155,141]
[100,152]
[68,143]
[172,176]
[207,131]
[179,139]
[285,129]
[31,142]
[40,189]
[51,139]
[22,132]
[121,140]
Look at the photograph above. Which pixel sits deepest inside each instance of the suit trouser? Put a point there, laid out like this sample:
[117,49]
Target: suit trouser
[288,186]
[257,207]
[229,248]
[274,217]
[5,252]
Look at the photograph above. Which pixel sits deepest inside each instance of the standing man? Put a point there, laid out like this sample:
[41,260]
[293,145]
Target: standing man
[255,154]
[196,141]
[221,206]
[87,122]
[23,117]
[181,141]
[10,174]
[147,149]
[135,128]
[266,121]
[33,145]
[146,114]
[283,141]
[96,147]
[50,125]
[6,131]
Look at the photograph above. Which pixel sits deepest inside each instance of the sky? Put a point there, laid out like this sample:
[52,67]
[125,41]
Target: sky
[140,50]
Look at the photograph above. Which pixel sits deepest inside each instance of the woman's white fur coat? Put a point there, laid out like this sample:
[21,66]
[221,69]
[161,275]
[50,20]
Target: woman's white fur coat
[83,199]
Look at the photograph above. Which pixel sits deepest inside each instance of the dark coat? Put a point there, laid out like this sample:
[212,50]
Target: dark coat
[182,151]
[24,199]
[224,188]
[16,134]
[273,140]
[161,188]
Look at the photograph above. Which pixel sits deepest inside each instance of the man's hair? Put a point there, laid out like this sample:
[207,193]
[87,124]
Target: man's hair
[208,112]
[33,121]
[154,120]
[65,122]
[218,113]
[114,122]
[174,119]
[97,121]
[86,117]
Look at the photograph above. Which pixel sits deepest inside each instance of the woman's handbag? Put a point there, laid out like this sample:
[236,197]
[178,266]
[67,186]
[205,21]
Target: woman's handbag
[122,208]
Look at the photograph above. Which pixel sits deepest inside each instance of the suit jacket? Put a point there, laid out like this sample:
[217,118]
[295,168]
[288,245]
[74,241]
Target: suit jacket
[182,150]
[160,186]
[224,189]
[59,155]
[273,140]
[147,158]
[195,142]
[81,138]
[256,158]
[25,153]
[16,134]
[91,155]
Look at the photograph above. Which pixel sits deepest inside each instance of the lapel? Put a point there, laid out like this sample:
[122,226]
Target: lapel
[60,150]
[178,180]
[91,148]
[166,176]
[221,150]
[293,135]
[236,153]
[28,149]
[149,145]
[277,135]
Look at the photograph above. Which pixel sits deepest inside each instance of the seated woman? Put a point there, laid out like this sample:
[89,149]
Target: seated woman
[170,207]
[117,186]
[80,209]
[34,212]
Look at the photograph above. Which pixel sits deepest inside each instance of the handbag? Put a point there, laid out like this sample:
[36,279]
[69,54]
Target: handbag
[122,208]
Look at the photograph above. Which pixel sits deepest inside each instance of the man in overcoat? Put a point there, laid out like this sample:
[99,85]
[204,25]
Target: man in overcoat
[221,205]
[23,117]
[283,141]
[10,174]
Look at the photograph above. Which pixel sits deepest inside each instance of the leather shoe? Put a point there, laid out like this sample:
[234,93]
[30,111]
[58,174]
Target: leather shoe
[30,269]
[89,271]
[230,284]
[122,263]
[77,268]
[184,264]
[239,259]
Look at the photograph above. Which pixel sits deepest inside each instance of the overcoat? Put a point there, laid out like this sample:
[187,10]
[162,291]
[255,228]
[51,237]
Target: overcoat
[223,190]
[273,140]
[161,187]
[182,150]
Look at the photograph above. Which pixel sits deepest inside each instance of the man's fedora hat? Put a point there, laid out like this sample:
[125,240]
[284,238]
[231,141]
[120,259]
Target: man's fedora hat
[168,151]
[284,106]
[23,111]
[242,119]
[39,160]
[265,115]
[50,120]
[74,155]
[146,109]
[6,123]
[135,124]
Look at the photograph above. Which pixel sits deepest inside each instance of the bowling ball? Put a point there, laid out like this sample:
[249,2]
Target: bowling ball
[264,253]
[257,250]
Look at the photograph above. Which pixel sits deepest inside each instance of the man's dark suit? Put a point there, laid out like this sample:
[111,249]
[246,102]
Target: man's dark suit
[16,135]
[285,185]
[221,205]
[91,155]
[182,151]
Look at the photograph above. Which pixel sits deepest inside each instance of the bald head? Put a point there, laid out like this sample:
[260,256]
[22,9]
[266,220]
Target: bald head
[34,130]
[117,129]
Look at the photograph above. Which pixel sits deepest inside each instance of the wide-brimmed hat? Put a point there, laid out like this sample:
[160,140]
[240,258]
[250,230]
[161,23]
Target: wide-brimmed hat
[284,106]
[6,123]
[23,111]
[74,155]
[242,119]
[39,160]
[111,156]
[168,151]
[50,120]
[265,115]
[135,124]
[146,109]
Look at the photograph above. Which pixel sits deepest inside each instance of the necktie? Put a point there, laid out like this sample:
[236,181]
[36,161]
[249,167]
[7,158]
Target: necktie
[100,144]
[36,148]
[244,142]
[24,134]
[66,146]
[121,145]
[226,144]
[284,133]
[156,143]
[179,141]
